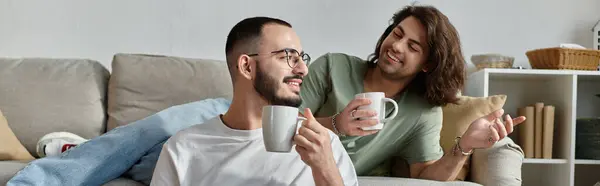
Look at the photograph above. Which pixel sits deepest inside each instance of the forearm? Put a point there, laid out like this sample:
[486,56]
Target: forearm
[326,122]
[328,176]
[446,168]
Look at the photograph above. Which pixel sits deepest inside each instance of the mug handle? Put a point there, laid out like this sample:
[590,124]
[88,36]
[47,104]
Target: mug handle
[299,123]
[395,109]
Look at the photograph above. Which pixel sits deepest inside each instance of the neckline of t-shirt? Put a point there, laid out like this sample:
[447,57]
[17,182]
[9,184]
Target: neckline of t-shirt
[245,134]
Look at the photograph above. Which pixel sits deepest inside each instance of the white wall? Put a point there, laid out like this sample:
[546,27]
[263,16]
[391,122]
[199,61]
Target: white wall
[193,28]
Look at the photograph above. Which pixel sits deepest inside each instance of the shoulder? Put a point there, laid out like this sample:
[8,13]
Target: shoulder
[427,113]
[187,136]
[338,59]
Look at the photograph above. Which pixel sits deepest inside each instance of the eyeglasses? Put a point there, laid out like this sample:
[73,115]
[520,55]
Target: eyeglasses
[292,56]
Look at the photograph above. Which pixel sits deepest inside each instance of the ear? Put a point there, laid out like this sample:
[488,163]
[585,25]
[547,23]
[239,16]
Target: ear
[244,67]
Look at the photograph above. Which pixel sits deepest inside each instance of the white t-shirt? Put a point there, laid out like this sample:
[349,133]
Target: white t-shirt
[214,154]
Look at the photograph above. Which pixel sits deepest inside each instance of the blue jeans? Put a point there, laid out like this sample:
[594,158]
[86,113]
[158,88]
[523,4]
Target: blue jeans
[131,150]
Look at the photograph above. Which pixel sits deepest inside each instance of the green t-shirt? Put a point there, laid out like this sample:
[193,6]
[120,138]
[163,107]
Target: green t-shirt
[414,134]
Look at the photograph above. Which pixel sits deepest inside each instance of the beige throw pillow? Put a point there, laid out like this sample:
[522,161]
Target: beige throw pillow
[11,148]
[458,117]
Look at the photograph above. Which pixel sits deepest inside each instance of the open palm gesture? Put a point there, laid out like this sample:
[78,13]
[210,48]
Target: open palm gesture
[487,130]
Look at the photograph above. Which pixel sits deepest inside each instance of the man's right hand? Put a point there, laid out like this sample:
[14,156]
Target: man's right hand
[313,144]
[347,121]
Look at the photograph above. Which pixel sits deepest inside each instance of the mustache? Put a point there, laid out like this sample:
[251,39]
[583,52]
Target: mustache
[292,77]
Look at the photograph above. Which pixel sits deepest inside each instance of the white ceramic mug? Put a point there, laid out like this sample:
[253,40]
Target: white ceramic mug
[279,126]
[378,100]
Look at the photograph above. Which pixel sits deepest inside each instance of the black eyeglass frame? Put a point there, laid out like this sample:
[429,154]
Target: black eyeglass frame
[304,56]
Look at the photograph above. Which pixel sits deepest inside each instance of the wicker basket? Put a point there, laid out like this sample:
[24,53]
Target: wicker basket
[564,58]
[497,64]
[482,61]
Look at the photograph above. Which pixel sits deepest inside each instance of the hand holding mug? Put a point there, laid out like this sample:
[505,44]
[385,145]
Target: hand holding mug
[364,115]
[347,121]
[313,143]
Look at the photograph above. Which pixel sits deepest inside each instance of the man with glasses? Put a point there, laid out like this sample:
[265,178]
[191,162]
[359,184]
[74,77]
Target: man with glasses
[229,149]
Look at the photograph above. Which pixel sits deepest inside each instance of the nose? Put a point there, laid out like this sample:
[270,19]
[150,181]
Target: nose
[399,45]
[301,69]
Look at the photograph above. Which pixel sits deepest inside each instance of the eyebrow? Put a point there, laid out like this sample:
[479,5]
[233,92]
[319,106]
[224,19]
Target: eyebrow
[411,40]
[291,49]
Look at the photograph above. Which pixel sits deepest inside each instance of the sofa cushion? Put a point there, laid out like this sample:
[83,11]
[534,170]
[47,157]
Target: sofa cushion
[11,148]
[499,165]
[42,95]
[141,85]
[8,169]
[458,117]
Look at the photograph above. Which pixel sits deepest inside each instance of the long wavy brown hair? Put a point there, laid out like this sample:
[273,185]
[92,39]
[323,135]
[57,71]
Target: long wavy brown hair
[445,75]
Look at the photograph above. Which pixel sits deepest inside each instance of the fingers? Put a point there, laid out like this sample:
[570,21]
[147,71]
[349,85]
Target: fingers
[366,132]
[499,126]
[365,123]
[494,134]
[301,141]
[308,114]
[354,104]
[518,120]
[508,124]
[309,134]
[494,115]
[311,122]
[364,113]
[301,150]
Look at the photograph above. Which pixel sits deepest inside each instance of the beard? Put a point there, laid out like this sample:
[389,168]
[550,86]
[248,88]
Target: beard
[267,86]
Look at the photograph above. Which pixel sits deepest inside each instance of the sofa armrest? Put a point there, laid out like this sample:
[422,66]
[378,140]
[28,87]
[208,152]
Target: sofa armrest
[498,165]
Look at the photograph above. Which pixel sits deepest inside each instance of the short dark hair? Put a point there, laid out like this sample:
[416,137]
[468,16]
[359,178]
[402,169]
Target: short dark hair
[445,64]
[247,33]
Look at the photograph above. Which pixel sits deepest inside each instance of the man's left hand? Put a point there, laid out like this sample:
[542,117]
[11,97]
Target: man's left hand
[487,130]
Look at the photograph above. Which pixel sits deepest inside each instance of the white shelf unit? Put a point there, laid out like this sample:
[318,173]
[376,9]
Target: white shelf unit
[573,93]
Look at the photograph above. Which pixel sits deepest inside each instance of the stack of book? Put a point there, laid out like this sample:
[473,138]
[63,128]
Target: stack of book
[537,132]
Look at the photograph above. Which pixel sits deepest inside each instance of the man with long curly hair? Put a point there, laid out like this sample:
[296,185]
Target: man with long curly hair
[417,62]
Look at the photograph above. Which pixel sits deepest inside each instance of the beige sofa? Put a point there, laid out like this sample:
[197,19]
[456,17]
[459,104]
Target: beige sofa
[41,95]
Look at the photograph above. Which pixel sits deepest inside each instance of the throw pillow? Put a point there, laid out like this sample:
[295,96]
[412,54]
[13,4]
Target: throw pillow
[458,117]
[11,148]
[141,85]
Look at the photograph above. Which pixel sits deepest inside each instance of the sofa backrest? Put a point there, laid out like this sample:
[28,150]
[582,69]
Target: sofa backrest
[141,85]
[42,95]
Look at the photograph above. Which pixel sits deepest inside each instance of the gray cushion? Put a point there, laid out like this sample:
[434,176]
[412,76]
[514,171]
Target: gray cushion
[141,85]
[391,181]
[498,165]
[8,169]
[39,96]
